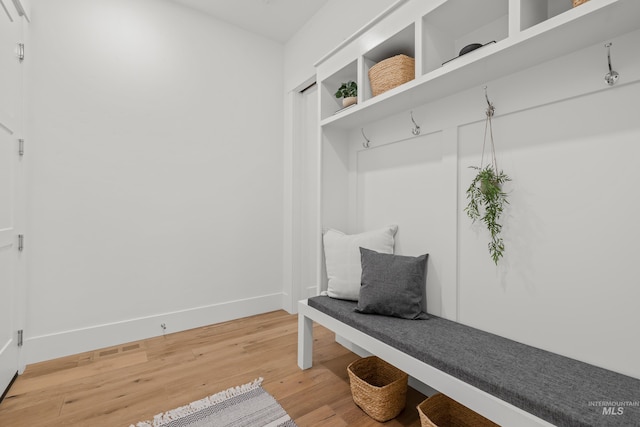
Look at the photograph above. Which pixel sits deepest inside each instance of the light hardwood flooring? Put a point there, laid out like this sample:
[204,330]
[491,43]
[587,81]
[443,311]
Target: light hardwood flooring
[132,382]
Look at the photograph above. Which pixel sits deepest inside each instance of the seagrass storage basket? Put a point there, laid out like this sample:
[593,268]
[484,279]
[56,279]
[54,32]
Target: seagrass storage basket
[442,411]
[579,2]
[378,388]
[391,72]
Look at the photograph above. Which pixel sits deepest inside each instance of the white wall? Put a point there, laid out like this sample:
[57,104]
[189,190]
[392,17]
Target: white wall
[568,281]
[156,172]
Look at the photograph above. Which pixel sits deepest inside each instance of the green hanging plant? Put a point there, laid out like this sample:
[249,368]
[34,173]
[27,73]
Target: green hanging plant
[486,198]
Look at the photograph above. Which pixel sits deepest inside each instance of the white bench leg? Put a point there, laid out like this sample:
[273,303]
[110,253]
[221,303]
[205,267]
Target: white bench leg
[305,342]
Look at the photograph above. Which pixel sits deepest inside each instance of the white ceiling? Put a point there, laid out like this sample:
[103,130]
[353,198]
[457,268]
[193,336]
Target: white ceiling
[278,20]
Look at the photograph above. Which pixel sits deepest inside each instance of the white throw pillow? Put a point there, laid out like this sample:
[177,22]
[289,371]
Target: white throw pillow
[342,258]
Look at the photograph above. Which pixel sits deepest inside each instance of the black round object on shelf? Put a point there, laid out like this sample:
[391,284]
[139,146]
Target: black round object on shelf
[468,48]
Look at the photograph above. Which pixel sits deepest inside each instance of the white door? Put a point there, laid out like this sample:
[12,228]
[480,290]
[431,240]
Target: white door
[306,235]
[8,262]
[10,124]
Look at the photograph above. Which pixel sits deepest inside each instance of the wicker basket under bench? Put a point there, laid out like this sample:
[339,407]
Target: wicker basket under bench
[377,387]
[507,382]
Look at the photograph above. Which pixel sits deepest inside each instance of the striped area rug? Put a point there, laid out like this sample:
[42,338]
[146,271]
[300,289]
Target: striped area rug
[242,406]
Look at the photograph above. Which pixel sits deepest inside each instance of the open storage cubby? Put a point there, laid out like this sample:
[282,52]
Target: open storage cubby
[458,23]
[533,12]
[402,43]
[330,105]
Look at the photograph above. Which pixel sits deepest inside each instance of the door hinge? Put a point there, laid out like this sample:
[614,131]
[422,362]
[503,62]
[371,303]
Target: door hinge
[20,337]
[21,52]
[21,147]
[20,242]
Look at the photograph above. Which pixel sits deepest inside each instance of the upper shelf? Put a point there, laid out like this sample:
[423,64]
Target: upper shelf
[555,36]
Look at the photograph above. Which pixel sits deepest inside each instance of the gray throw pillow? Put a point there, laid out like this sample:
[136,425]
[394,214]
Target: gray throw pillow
[392,284]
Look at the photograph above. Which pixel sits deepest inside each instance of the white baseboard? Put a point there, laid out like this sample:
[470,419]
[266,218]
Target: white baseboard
[60,344]
[414,383]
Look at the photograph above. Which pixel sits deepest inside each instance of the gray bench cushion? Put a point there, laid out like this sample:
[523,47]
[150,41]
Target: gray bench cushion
[558,389]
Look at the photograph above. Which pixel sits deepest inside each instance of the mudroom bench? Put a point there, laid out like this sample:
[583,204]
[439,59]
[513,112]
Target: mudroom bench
[508,382]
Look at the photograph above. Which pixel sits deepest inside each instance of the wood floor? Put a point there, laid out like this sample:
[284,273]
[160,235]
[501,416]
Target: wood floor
[122,385]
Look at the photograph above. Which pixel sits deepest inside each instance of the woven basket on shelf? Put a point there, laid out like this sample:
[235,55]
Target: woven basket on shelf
[442,411]
[391,72]
[579,2]
[378,388]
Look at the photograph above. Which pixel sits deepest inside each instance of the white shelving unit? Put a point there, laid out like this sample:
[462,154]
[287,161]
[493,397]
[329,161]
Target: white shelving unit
[526,32]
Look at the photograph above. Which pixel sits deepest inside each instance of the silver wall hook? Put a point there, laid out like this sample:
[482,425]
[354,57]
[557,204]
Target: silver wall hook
[366,142]
[416,128]
[611,77]
[490,108]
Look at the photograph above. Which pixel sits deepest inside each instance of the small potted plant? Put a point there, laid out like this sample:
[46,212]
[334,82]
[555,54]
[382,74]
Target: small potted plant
[486,197]
[349,92]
